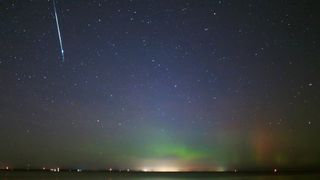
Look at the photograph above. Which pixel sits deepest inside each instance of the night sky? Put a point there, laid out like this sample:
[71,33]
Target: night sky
[160,84]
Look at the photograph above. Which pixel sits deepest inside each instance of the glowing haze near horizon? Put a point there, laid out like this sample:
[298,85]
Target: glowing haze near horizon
[160,85]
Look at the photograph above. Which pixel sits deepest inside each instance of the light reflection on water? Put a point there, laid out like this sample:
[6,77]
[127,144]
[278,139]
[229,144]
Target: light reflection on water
[142,176]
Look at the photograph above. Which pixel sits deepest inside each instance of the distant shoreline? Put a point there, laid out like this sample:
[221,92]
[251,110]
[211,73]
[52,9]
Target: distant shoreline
[248,172]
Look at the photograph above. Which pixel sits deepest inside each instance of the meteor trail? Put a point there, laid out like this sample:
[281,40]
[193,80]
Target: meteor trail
[58,29]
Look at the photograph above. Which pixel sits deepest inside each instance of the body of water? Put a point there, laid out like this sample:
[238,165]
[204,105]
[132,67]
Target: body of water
[151,176]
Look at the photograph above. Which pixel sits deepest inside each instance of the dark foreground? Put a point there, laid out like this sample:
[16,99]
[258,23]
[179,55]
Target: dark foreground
[153,176]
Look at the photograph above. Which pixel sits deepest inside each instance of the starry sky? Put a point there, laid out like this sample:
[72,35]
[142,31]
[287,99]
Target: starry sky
[160,85]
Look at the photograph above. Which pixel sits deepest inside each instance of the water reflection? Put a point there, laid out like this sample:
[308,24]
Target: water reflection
[143,176]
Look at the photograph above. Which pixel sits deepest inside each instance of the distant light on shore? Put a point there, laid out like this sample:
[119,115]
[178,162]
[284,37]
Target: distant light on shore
[55,169]
[167,169]
[145,170]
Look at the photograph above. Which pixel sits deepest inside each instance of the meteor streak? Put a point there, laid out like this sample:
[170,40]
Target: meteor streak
[58,29]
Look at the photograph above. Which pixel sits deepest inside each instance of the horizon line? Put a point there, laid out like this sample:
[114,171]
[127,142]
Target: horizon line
[57,170]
